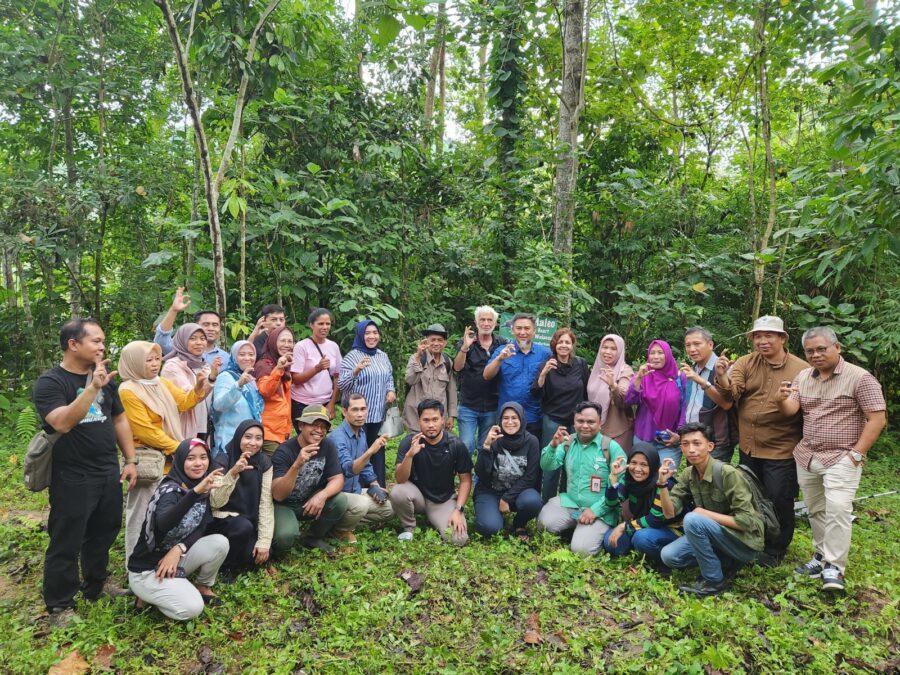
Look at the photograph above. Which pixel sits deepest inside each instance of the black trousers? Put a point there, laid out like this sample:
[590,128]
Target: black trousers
[779,480]
[241,535]
[85,518]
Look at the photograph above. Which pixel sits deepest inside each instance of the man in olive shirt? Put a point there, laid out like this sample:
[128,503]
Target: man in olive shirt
[723,531]
[767,435]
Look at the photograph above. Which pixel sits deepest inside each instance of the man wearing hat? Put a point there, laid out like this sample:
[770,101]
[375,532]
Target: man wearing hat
[307,484]
[429,375]
[767,435]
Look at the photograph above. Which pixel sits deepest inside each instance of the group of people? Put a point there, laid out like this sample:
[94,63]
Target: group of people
[232,457]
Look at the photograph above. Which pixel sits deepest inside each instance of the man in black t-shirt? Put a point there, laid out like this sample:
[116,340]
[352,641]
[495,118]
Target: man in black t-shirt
[427,465]
[78,400]
[307,484]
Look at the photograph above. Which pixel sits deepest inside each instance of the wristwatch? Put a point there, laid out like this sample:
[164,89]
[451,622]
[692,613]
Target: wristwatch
[461,509]
[132,460]
[857,456]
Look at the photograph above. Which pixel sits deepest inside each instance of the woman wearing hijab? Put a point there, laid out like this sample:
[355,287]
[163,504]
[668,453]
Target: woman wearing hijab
[273,380]
[182,366]
[243,509]
[367,370]
[658,391]
[645,526]
[607,386]
[560,386]
[235,396]
[174,542]
[508,470]
[152,405]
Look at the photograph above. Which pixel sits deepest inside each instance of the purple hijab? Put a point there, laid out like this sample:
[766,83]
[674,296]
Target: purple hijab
[660,392]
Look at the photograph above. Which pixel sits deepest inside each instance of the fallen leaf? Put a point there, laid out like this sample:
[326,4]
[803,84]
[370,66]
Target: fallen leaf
[104,656]
[413,579]
[236,636]
[699,287]
[309,602]
[272,571]
[13,459]
[533,631]
[815,642]
[73,664]
[204,654]
[141,190]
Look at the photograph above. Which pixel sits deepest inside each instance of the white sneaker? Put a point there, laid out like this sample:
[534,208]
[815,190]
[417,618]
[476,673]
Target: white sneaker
[813,568]
[405,536]
[832,579]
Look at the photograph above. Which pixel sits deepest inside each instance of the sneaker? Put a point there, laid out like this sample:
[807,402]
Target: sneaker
[61,617]
[813,568]
[768,559]
[704,587]
[320,544]
[832,579]
[405,536]
[345,536]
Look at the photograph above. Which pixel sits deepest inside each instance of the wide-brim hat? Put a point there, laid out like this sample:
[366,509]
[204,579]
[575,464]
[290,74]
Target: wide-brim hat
[314,413]
[435,329]
[771,324]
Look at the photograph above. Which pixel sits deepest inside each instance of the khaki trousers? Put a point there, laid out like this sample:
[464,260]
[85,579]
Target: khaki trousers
[408,500]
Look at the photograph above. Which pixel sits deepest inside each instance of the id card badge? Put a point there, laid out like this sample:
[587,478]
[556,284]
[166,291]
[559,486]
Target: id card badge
[596,483]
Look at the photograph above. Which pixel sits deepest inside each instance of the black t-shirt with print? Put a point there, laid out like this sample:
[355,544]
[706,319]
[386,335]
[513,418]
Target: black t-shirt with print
[90,447]
[434,469]
[313,476]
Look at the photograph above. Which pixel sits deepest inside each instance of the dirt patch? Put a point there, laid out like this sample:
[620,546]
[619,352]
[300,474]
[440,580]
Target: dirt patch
[9,590]
[872,601]
[24,517]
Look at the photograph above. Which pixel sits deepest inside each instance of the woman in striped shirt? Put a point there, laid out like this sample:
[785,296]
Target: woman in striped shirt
[367,370]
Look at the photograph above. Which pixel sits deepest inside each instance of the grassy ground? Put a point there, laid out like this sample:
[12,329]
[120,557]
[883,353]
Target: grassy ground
[354,613]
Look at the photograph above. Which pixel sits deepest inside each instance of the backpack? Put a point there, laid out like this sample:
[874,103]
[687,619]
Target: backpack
[448,364]
[764,506]
[38,461]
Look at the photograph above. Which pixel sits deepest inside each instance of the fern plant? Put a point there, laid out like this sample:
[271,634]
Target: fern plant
[26,423]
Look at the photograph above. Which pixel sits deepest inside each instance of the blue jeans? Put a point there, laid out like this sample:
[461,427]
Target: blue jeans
[707,545]
[672,452]
[649,541]
[550,479]
[474,425]
[489,520]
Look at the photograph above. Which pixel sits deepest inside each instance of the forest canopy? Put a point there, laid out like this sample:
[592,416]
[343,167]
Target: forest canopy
[629,166]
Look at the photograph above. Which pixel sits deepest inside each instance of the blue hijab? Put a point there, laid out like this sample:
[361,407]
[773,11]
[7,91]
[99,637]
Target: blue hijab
[249,391]
[359,341]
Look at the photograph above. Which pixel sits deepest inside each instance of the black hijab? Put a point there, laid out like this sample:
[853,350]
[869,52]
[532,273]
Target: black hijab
[641,493]
[513,442]
[248,488]
[177,473]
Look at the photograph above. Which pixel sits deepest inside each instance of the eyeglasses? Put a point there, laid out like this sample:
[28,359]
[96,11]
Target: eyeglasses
[817,350]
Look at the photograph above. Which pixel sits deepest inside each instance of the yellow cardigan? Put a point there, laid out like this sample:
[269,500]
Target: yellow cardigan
[146,425]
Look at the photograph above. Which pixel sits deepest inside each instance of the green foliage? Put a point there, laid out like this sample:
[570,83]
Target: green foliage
[26,424]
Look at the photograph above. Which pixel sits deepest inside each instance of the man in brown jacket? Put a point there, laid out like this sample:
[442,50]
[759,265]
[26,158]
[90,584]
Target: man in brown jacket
[429,375]
[767,435]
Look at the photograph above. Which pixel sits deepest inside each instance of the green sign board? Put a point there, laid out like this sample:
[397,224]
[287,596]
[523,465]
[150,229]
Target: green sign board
[544,329]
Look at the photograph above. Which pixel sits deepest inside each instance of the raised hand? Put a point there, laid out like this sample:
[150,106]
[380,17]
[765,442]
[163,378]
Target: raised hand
[416,445]
[364,362]
[243,464]
[607,376]
[551,364]
[208,482]
[246,376]
[378,443]
[421,347]
[784,390]
[492,435]
[643,371]
[688,371]
[508,351]
[101,375]
[666,471]
[561,436]
[307,453]
[468,338]
[215,368]
[284,361]
[722,365]
[617,469]
[181,301]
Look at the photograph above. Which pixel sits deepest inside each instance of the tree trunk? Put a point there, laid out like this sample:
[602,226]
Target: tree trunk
[570,104]
[9,281]
[37,336]
[435,72]
[73,255]
[101,164]
[762,81]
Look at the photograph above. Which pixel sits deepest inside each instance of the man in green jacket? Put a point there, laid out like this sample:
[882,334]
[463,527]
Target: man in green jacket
[724,530]
[583,506]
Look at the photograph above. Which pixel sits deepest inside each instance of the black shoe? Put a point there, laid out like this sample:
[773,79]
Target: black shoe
[315,542]
[704,587]
[769,559]
[659,567]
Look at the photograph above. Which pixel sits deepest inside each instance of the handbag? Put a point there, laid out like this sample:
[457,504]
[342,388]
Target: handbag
[39,461]
[392,425]
[151,463]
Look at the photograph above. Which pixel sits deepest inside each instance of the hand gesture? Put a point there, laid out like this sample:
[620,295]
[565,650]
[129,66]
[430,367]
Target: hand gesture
[561,436]
[364,362]
[215,368]
[608,377]
[202,376]
[101,375]
[243,464]
[492,435]
[284,361]
[468,338]
[421,347]
[643,370]
[550,365]
[666,471]
[209,482]
[416,445]
[307,453]
[784,391]
[181,301]
[323,364]
[722,365]
[378,444]
[617,469]
[688,371]
[260,322]
[508,351]
[246,376]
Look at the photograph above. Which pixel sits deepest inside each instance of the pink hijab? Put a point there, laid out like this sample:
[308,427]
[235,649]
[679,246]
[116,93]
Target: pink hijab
[659,390]
[597,389]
